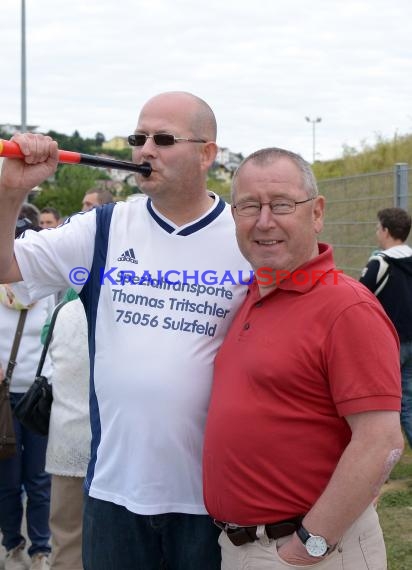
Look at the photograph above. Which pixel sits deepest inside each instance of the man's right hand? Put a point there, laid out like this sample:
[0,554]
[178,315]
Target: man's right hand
[19,176]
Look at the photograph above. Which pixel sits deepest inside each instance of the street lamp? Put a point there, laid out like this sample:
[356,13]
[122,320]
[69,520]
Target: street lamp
[313,121]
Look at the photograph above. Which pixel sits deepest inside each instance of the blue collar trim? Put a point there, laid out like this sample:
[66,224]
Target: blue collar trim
[192,228]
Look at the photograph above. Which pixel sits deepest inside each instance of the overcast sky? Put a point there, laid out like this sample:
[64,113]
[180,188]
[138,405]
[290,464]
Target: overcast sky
[263,65]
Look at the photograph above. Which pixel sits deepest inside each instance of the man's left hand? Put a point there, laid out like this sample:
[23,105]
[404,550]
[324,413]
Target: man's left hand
[294,552]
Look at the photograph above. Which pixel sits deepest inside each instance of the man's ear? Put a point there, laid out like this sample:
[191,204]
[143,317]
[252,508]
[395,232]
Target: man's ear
[318,213]
[209,152]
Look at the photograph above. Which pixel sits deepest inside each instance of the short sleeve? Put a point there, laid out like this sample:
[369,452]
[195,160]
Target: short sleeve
[54,259]
[362,359]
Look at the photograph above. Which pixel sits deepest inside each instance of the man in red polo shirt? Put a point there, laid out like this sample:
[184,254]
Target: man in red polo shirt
[303,426]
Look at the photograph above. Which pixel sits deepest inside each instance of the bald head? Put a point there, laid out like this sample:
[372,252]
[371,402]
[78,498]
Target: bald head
[185,108]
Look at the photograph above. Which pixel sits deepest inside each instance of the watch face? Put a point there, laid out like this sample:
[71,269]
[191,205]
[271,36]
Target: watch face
[316,545]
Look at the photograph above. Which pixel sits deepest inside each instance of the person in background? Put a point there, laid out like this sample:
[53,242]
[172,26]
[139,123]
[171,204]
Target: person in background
[303,424]
[388,274]
[49,218]
[152,339]
[25,471]
[96,197]
[68,448]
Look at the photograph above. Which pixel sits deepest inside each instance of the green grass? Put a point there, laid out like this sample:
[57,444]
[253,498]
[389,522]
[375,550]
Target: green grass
[395,513]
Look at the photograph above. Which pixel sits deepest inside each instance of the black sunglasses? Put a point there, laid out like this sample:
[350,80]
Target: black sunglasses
[160,139]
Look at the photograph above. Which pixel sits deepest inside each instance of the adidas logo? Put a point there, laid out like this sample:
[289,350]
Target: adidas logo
[128,255]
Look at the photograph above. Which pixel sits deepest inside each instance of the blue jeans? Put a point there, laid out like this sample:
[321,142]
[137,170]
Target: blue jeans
[406,372]
[25,472]
[115,538]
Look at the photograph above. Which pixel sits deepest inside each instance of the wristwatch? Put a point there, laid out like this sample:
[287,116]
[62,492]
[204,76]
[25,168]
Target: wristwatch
[315,545]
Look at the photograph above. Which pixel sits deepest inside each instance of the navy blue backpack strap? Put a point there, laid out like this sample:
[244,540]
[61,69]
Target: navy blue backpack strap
[90,293]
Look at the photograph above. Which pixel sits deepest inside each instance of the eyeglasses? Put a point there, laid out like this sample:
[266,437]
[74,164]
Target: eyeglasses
[160,139]
[280,206]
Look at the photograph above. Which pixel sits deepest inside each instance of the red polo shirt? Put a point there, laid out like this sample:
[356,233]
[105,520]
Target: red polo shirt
[294,363]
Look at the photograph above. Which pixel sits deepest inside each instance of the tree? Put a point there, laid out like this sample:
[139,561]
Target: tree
[99,139]
[67,193]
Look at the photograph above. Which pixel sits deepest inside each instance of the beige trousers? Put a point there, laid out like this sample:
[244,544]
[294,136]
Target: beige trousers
[66,522]
[361,548]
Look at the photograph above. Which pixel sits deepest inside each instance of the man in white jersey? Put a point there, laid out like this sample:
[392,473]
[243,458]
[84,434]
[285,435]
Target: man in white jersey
[166,280]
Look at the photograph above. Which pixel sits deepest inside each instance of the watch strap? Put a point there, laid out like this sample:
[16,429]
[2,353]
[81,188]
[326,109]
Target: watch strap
[302,533]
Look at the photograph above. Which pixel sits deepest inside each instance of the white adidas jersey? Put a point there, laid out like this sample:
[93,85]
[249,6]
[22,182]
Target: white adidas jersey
[167,299]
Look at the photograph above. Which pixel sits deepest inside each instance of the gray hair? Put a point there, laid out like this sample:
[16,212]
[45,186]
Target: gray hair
[267,156]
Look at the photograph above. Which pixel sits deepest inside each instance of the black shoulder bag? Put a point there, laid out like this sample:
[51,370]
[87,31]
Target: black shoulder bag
[33,409]
[7,433]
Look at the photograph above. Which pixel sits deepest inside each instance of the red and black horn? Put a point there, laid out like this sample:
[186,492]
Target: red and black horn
[10,149]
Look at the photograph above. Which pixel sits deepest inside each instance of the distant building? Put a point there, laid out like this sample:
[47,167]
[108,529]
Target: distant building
[116,143]
[13,129]
[222,156]
[226,163]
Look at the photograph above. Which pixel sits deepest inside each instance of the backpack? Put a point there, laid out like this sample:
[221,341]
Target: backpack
[383,271]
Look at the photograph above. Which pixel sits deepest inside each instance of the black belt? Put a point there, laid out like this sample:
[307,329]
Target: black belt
[239,535]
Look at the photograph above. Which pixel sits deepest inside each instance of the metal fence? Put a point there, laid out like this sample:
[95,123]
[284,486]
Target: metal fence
[351,206]
[352,203]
